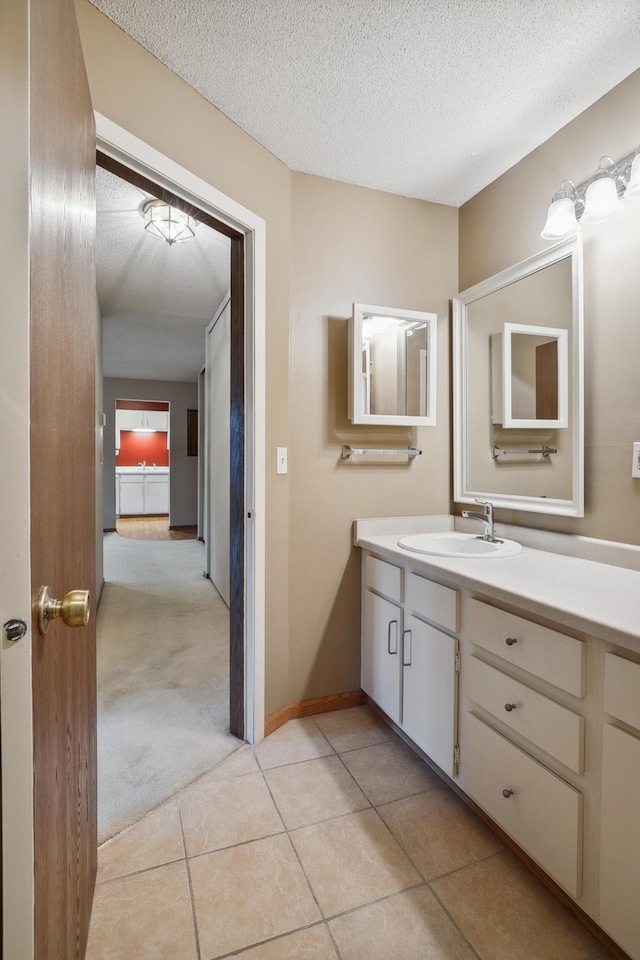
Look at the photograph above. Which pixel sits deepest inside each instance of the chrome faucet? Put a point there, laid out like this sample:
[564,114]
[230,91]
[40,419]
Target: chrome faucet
[142,463]
[486,517]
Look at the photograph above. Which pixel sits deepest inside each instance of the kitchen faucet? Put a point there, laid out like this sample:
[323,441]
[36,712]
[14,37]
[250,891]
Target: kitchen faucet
[142,463]
[486,517]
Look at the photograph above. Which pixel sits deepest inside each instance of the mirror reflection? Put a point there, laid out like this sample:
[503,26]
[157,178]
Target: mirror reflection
[529,377]
[392,368]
[518,386]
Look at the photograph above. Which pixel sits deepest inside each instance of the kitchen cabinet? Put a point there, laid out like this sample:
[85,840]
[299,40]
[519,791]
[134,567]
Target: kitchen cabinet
[142,420]
[138,494]
[131,494]
[620,823]
[409,666]
[156,493]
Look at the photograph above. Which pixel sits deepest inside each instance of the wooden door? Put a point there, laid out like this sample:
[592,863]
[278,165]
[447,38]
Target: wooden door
[58,286]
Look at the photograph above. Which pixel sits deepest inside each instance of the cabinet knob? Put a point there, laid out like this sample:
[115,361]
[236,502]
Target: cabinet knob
[507,793]
[509,707]
[510,641]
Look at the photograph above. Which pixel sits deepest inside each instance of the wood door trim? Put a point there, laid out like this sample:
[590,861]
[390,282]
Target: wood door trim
[161,193]
[237,506]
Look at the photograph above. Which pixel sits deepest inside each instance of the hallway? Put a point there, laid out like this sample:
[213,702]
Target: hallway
[163,676]
[330,840]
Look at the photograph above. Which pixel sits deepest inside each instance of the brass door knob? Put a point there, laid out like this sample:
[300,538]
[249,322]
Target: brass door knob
[73,610]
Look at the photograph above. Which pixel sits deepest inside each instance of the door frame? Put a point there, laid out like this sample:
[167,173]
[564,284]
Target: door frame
[116,142]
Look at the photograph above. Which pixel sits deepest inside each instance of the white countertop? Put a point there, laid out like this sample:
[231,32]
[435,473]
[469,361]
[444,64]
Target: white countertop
[143,470]
[596,598]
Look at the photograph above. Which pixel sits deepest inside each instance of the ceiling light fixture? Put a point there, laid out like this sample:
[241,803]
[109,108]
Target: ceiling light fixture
[165,222]
[595,200]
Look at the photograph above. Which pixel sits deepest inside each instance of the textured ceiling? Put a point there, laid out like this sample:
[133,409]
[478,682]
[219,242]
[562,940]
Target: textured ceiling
[156,300]
[425,98]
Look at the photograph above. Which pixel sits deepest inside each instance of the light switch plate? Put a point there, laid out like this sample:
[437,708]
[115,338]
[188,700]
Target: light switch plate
[281,459]
[635,464]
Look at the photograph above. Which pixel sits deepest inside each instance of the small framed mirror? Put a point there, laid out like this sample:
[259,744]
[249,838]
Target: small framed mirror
[529,377]
[518,386]
[392,366]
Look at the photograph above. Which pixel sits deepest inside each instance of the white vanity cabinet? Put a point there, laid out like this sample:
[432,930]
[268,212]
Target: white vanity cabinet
[409,666]
[620,810]
[514,728]
[381,630]
[547,697]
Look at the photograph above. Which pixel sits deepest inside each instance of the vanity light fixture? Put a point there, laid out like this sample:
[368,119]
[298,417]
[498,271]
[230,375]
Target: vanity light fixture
[599,198]
[165,222]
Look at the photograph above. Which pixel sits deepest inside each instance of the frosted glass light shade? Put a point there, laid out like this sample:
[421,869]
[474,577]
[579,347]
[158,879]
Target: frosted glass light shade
[601,201]
[633,187]
[561,220]
[165,222]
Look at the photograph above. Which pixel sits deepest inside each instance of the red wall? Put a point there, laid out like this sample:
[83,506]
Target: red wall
[136,447]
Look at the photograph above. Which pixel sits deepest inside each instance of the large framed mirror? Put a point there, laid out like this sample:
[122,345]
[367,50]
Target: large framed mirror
[518,386]
[392,366]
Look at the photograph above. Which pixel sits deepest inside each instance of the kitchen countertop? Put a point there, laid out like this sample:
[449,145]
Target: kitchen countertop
[590,596]
[143,470]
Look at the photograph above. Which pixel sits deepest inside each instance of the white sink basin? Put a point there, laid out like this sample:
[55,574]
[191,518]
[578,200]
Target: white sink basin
[453,544]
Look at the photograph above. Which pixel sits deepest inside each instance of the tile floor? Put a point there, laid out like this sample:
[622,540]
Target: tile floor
[330,840]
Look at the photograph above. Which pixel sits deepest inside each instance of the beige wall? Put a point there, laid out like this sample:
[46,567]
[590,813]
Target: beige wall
[329,244]
[136,91]
[353,244]
[501,226]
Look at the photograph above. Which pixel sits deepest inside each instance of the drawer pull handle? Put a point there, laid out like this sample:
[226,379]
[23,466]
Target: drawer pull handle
[510,641]
[391,652]
[509,707]
[507,793]
[406,645]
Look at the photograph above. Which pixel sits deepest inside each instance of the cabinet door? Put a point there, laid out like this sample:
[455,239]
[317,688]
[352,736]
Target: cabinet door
[131,496]
[129,419]
[429,707]
[381,653]
[156,420]
[620,839]
[156,499]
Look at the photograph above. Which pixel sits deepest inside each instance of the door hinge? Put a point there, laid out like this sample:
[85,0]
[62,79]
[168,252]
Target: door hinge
[458,662]
[456,755]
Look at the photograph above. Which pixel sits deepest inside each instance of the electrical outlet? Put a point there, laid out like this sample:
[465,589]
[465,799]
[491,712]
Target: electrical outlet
[635,464]
[281,459]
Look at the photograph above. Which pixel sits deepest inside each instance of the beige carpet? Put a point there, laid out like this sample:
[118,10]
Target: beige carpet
[163,677]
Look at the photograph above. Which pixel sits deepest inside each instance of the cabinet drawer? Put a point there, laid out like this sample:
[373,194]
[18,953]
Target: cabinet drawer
[622,689]
[433,601]
[553,728]
[543,814]
[549,655]
[384,577]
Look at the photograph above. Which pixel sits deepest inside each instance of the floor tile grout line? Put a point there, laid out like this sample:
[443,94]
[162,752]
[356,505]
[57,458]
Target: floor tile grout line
[191,894]
[267,940]
[455,923]
[140,872]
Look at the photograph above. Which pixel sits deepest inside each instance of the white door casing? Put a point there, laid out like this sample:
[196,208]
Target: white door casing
[134,153]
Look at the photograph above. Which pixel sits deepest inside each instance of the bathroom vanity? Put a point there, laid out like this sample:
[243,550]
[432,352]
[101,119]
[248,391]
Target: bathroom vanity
[518,677]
